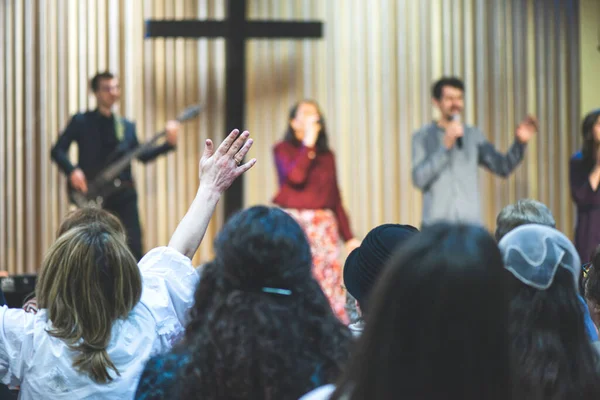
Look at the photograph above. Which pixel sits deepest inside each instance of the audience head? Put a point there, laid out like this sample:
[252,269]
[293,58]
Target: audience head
[259,313]
[88,280]
[551,353]
[524,211]
[592,287]
[106,88]
[365,263]
[88,215]
[299,116]
[590,130]
[435,327]
[448,96]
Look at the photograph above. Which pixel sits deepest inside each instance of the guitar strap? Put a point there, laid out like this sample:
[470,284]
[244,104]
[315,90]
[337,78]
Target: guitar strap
[119,128]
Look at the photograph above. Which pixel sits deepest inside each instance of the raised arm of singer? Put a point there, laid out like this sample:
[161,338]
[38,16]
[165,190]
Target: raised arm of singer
[308,190]
[446,155]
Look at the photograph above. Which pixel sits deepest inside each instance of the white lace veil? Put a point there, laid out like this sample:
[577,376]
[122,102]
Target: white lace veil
[533,253]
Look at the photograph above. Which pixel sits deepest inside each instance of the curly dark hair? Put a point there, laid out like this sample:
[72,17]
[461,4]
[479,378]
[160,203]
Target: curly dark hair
[245,343]
[589,143]
[591,282]
[551,354]
[322,144]
[436,322]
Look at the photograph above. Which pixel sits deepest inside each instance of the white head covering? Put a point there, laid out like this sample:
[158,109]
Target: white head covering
[533,253]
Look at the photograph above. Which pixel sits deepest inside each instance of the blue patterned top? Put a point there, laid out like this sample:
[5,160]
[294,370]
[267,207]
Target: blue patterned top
[160,376]
[162,373]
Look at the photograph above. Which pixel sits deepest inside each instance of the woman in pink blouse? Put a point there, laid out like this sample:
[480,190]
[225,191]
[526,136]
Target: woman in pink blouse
[308,190]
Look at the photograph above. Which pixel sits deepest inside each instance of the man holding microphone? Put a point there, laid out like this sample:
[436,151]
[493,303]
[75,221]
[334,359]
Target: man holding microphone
[446,154]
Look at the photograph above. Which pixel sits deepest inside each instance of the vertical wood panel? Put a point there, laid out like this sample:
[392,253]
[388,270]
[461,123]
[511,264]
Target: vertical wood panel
[44,74]
[3,138]
[371,74]
[10,139]
[18,177]
[31,193]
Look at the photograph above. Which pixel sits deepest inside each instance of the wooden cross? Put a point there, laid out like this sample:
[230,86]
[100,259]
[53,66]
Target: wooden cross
[236,29]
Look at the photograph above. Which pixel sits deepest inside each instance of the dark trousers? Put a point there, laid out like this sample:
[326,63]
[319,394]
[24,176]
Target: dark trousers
[124,206]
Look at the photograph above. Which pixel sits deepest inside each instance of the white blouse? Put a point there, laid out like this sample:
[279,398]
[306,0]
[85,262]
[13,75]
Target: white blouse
[320,393]
[42,365]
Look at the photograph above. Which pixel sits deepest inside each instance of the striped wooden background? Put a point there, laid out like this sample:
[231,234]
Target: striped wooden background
[371,74]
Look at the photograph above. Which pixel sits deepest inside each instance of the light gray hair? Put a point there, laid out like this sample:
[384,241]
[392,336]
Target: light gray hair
[524,211]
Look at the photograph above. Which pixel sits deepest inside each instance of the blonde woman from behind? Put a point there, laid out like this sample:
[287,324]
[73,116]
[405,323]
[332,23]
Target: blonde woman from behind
[102,316]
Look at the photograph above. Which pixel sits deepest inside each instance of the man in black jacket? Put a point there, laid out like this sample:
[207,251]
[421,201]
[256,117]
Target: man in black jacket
[102,136]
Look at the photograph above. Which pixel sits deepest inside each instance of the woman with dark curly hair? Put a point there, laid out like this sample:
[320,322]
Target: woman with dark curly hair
[591,286]
[261,327]
[584,178]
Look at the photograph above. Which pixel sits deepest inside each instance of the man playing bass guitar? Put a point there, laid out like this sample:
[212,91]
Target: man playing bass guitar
[102,136]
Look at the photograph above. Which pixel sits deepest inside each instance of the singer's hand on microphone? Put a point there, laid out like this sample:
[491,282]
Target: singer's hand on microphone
[454,130]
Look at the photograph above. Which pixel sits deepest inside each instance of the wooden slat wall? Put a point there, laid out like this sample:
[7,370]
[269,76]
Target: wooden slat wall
[371,74]
[49,50]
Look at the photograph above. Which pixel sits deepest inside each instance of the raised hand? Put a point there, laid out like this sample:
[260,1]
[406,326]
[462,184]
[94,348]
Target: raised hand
[218,169]
[527,129]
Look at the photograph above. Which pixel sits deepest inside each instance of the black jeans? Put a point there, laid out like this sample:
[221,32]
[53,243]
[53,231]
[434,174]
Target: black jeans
[124,206]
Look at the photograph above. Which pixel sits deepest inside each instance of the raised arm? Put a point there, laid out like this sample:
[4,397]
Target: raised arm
[427,164]
[498,163]
[218,169]
[504,164]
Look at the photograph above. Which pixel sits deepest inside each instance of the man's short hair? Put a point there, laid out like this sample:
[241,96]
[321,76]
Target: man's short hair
[95,82]
[524,211]
[436,90]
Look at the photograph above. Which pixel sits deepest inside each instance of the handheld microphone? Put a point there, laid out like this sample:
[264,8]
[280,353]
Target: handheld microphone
[459,141]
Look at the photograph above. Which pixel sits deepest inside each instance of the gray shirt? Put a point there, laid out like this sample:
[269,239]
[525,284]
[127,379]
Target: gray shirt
[449,178]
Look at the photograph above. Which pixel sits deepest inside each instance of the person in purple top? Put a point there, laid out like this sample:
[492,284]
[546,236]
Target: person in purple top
[584,177]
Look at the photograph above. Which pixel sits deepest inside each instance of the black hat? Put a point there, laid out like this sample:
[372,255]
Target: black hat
[364,264]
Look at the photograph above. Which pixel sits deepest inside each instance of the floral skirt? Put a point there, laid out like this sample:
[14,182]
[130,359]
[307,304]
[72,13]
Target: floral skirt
[321,229]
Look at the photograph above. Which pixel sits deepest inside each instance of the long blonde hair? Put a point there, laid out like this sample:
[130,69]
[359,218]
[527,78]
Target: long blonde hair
[88,280]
